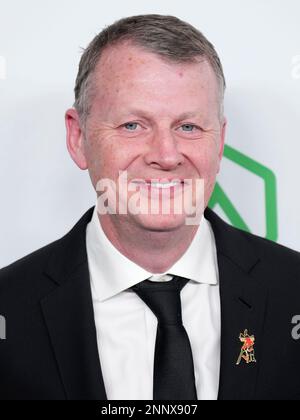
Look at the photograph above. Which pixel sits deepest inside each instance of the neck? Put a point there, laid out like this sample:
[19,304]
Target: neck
[155,251]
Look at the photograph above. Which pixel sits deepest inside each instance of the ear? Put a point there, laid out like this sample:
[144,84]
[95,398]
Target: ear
[222,140]
[75,138]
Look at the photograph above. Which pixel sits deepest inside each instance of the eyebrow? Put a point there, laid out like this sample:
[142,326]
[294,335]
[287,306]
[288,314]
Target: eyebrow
[142,113]
[187,115]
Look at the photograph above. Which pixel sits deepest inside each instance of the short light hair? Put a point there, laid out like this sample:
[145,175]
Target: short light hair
[167,36]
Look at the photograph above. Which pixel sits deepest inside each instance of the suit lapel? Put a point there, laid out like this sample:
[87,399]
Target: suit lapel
[243,306]
[69,317]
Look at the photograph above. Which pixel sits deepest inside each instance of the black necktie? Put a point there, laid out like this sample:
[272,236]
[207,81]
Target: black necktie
[173,377]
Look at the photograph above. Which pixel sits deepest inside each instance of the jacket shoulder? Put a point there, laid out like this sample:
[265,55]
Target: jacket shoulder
[27,267]
[270,261]
[232,237]
[273,251]
[61,252]
[278,266]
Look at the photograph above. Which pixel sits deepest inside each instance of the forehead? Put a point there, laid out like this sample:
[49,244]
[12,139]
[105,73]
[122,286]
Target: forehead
[127,61]
[128,72]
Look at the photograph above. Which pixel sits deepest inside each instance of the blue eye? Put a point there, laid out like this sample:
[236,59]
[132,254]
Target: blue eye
[188,126]
[131,126]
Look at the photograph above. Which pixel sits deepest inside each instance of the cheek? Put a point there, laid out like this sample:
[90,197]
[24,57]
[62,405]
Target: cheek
[206,160]
[106,160]
[95,156]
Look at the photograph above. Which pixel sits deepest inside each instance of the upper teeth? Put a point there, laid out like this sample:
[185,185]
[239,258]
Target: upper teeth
[163,184]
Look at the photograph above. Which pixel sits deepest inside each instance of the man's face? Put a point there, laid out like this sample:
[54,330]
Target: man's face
[154,120]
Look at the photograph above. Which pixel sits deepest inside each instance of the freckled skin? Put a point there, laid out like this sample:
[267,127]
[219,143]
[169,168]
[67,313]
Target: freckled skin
[126,78]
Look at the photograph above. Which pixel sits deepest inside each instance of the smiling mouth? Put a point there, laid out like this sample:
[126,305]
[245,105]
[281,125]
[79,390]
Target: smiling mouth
[162,185]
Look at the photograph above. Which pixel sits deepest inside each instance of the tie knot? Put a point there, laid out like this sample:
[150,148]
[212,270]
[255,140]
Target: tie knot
[163,298]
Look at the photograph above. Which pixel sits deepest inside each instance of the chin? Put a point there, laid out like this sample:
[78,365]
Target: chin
[160,222]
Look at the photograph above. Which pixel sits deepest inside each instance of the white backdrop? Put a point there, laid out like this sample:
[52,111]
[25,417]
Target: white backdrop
[43,193]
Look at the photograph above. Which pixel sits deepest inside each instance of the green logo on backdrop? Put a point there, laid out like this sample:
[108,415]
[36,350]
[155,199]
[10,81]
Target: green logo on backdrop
[220,198]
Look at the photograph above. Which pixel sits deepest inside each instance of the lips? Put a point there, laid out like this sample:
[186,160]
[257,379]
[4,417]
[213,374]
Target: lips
[164,184]
[162,181]
[161,184]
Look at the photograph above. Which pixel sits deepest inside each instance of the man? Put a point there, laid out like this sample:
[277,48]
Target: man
[142,305]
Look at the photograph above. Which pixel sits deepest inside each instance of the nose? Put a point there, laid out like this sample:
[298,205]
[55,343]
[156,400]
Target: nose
[163,151]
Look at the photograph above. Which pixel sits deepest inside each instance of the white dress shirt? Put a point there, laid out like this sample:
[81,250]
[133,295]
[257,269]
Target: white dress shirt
[126,327]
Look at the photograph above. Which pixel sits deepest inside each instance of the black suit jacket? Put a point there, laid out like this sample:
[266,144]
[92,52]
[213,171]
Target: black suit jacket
[50,351]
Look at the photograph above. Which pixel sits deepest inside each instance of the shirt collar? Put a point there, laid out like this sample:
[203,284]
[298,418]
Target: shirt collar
[111,272]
